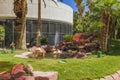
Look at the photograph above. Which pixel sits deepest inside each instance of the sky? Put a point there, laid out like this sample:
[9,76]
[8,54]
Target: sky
[73,4]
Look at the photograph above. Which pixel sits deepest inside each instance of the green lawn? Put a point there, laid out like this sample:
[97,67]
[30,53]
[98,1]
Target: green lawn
[74,69]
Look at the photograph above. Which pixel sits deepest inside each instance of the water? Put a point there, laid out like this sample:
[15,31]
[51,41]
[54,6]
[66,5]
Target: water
[56,41]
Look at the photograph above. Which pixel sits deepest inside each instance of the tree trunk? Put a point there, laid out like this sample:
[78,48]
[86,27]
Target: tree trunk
[38,43]
[20,10]
[104,32]
[118,34]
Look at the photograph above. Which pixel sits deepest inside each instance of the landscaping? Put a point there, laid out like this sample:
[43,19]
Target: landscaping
[88,68]
[84,45]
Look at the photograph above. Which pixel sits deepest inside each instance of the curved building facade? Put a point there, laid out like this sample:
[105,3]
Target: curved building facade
[55,19]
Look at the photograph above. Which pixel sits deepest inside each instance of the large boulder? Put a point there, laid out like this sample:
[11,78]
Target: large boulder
[18,72]
[38,51]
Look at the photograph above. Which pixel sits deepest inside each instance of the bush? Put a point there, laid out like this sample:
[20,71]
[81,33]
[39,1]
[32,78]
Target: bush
[44,40]
[2,32]
[68,37]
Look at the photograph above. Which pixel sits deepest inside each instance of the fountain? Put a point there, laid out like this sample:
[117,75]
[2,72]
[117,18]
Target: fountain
[56,40]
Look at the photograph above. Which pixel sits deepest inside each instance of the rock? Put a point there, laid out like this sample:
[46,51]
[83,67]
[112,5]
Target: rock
[108,78]
[29,78]
[20,78]
[102,79]
[23,55]
[29,67]
[33,49]
[5,76]
[29,70]
[116,76]
[18,72]
[45,75]
[38,51]
[118,72]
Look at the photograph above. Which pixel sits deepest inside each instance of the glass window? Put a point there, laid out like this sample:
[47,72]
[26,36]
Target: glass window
[44,28]
[52,28]
[58,27]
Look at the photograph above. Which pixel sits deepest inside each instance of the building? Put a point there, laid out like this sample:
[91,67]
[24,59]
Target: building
[55,20]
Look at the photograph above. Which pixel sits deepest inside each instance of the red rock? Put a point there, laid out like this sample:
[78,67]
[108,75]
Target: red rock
[18,72]
[38,51]
[45,75]
[18,68]
[5,76]
[33,49]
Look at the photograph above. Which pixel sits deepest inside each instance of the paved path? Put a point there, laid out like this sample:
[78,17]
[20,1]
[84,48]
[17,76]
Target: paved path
[115,76]
[23,55]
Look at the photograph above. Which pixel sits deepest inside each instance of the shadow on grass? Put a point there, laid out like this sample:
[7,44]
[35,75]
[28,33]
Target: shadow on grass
[5,66]
[115,48]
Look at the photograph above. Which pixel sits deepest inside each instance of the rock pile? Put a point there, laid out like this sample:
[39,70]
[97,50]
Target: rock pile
[21,72]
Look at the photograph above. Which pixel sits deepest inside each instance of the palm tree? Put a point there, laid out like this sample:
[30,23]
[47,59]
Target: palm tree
[20,10]
[39,23]
[38,43]
[104,15]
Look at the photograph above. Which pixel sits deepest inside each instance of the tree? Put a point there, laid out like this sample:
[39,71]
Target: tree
[39,23]
[38,42]
[105,10]
[102,18]
[20,10]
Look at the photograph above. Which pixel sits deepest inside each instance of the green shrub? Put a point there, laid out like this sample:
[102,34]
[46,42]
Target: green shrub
[2,32]
[44,40]
[68,37]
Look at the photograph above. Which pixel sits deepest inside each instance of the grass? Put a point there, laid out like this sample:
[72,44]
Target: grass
[89,68]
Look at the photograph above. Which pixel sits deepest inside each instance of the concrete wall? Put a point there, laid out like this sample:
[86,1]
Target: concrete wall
[61,12]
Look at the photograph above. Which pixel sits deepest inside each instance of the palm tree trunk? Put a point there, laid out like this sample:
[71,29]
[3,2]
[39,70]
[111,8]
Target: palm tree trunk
[38,43]
[104,36]
[20,10]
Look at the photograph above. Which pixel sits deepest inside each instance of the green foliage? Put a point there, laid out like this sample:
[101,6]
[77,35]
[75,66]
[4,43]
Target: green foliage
[44,40]
[79,26]
[68,37]
[94,26]
[2,32]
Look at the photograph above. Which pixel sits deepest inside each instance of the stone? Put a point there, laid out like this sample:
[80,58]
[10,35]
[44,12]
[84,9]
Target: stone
[29,78]
[5,76]
[23,55]
[108,78]
[102,79]
[116,76]
[40,51]
[33,49]
[118,72]
[20,78]
[18,72]
[45,75]
[29,70]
